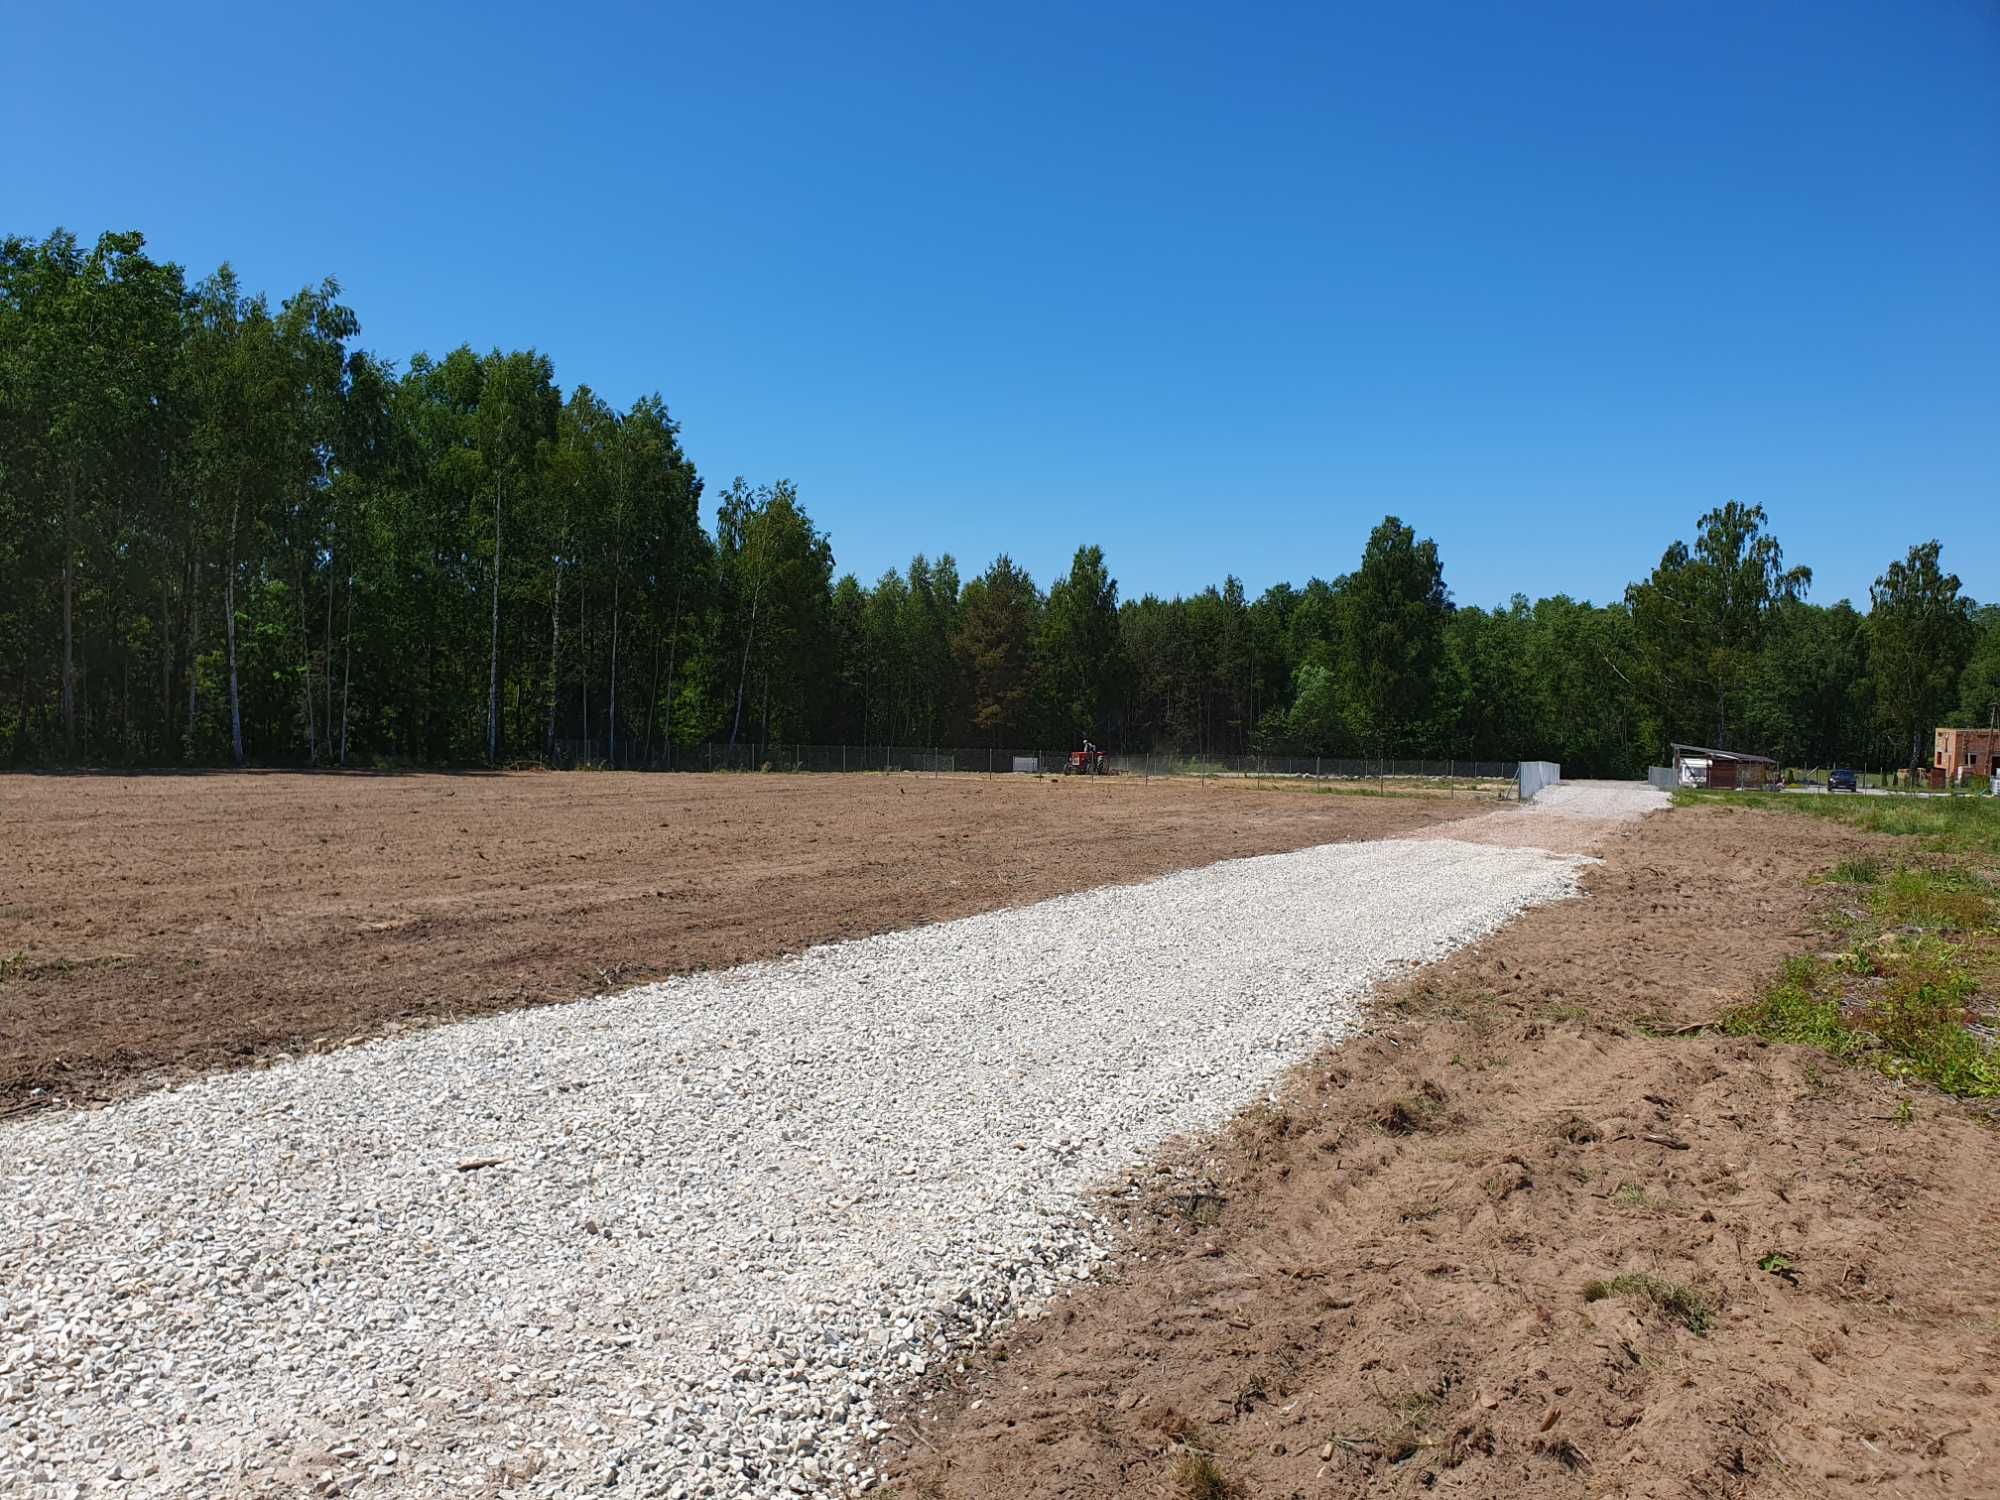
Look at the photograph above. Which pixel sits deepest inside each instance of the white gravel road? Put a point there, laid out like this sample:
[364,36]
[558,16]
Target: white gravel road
[724,1216]
[1571,817]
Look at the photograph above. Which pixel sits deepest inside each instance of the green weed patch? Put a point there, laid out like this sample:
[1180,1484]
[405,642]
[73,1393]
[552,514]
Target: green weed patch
[1904,1007]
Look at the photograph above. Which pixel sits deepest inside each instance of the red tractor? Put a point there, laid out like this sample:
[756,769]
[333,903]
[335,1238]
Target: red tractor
[1089,761]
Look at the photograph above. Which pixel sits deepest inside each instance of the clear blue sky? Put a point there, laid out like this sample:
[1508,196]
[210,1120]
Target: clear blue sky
[1213,286]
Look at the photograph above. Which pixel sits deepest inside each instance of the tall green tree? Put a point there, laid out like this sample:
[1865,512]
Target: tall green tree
[995,642]
[659,543]
[515,423]
[777,577]
[1081,664]
[1393,613]
[1700,621]
[90,341]
[1920,631]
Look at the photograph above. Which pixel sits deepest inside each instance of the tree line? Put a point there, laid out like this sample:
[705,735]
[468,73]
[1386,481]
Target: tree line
[228,534]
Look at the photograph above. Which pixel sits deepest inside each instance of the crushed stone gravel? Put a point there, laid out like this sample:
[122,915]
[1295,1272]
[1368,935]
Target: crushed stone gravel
[1605,801]
[682,1241]
[1571,817]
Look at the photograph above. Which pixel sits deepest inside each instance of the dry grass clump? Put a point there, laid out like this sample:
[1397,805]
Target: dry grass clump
[1677,1300]
[1197,1476]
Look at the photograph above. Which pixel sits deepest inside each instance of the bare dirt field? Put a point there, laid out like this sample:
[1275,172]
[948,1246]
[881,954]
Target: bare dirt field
[156,926]
[1530,1238]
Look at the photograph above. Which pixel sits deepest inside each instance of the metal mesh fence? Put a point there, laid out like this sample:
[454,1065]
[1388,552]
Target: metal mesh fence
[1009,760]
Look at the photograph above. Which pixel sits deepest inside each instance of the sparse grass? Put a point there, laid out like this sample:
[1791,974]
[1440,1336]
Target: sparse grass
[1960,824]
[1920,1019]
[1197,1476]
[1910,1024]
[1934,901]
[1675,1299]
[21,966]
[1412,1411]
[1631,1195]
[1862,870]
[1794,1010]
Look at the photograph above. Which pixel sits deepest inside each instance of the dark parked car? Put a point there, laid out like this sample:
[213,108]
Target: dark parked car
[1842,781]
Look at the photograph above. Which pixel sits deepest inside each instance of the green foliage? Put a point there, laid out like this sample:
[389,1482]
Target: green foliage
[254,542]
[228,533]
[1315,719]
[775,576]
[1393,615]
[1809,699]
[1701,618]
[1921,631]
[1919,1020]
[1979,683]
[998,618]
[1777,1263]
[1081,657]
[1899,1003]
[1794,1010]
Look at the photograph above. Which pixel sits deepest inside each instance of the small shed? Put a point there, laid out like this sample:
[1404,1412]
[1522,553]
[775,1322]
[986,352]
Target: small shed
[1697,765]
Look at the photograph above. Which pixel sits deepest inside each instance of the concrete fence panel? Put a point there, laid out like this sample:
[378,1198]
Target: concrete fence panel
[1662,777]
[1536,774]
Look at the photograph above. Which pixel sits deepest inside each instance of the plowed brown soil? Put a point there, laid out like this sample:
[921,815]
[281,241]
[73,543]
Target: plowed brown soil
[1382,1284]
[154,926]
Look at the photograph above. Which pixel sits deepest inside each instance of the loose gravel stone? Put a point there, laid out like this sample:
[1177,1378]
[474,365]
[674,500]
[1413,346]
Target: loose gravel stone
[1571,817]
[714,1222]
